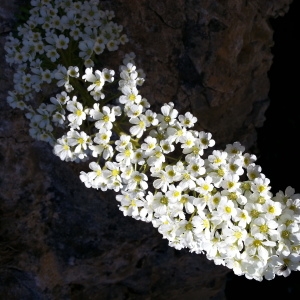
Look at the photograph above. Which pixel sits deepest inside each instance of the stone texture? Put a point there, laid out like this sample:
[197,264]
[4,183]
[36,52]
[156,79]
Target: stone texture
[209,57]
[59,240]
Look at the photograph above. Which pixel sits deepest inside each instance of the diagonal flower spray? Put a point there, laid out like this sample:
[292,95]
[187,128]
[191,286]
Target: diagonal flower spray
[218,204]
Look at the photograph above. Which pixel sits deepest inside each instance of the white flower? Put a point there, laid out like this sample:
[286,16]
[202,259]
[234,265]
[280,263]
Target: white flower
[122,142]
[111,173]
[204,185]
[196,167]
[138,129]
[86,47]
[78,113]
[62,149]
[155,157]
[130,203]
[254,209]
[188,120]
[138,157]
[259,198]
[166,146]
[261,185]
[234,235]
[226,209]
[146,212]
[195,151]
[62,98]
[126,154]
[242,217]
[217,158]
[237,263]
[260,247]
[205,139]
[62,42]
[294,205]
[93,179]
[102,137]
[253,171]
[235,165]
[162,182]
[287,218]
[168,115]
[80,141]
[134,110]
[59,117]
[167,227]
[112,45]
[172,173]
[187,141]
[137,180]
[288,235]
[159,203]
[174,193]
[98,47]
[248,159]
[202,224]
[235,196]
[187,202]
[151,118]
[213,201]
[46,76]
[235,149]
[149,144]
[283,197]
[97,79]
[73,71]
[104,118]
[61,75]
[130,95]
[231,182]
[176,133]
[51,53]
[282,265]
[187,181]
[271,209]
[108,75]
[264,228]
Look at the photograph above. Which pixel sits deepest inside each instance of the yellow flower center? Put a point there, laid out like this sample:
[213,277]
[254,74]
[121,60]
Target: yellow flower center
[285,234]
[261,188]
[256,243]
[254,213]
[264,228]
[184,200]
[164,200]
[115,172]
[271,209]
[127,153]
[132,97]
[189,226]
[228,209]
[106,118]
[80,141]
[137,178]
[167,119]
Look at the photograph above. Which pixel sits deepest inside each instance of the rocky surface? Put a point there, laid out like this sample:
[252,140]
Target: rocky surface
[59,240]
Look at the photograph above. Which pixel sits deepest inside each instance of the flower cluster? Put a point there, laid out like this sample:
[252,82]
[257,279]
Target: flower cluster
[57,34]
[218,203]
